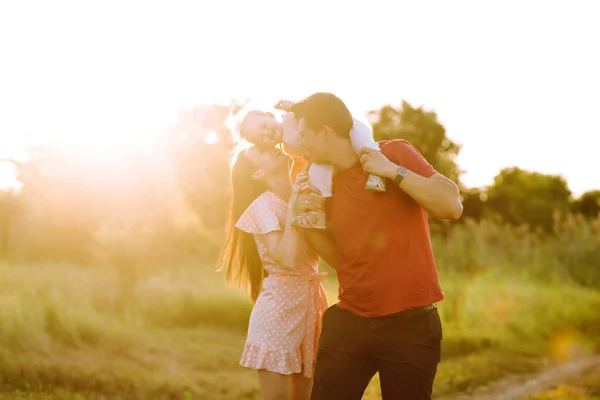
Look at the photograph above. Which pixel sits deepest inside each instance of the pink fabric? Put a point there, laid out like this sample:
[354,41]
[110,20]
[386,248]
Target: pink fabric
[285,323]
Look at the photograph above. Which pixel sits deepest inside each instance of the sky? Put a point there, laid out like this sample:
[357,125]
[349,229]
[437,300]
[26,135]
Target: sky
[517,83]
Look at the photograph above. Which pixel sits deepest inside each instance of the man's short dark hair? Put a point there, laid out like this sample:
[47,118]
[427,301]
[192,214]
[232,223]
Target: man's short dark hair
[322,109]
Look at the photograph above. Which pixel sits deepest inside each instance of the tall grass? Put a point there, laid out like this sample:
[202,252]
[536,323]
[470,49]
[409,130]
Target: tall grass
[127,329]
[183,330]
[83,329]
[571,253]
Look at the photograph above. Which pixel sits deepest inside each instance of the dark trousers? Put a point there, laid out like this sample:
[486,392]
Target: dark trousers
[404,348]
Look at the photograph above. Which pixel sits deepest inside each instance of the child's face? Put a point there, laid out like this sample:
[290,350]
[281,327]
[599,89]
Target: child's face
[262,129]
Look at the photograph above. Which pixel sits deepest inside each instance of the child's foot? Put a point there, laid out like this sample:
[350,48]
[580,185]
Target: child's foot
[310,220]
[375,184]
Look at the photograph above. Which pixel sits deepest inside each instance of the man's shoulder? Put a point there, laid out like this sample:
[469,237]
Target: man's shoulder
[402,152]
[394,146]
[393,142]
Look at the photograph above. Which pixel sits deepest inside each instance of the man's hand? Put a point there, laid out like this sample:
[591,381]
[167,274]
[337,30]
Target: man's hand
[438,195]
[376,163]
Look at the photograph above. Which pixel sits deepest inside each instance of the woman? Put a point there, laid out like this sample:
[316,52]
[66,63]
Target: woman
[266,254]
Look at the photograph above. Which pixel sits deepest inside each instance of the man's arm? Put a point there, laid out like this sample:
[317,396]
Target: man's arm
[322,242]
[438,195]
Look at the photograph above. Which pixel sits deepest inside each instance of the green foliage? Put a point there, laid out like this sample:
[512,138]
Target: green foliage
[423,130]
[530,198]
[588,204]
[570,255]
[178,330]
[171,198]
[149,317]
[168,203]
[474,203]
[201,166]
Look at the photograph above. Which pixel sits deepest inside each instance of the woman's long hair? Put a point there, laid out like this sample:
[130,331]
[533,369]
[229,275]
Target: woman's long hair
[239,256]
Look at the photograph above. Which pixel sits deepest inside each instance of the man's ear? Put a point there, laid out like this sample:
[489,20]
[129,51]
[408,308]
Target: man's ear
[258,175]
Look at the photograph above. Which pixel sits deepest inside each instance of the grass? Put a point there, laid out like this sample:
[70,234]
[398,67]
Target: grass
[584,387]
[177,333]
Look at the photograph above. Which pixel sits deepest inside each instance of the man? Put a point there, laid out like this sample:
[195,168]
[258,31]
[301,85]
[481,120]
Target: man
[386,320]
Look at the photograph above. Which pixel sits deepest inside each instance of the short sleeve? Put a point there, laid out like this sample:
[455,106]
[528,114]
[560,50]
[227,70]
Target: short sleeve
[402,153]
[260,217]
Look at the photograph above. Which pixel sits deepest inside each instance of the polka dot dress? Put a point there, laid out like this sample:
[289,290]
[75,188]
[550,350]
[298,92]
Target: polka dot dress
[285,323]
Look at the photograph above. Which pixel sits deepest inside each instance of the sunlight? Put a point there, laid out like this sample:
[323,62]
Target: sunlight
[97,148]
[566,344]
[211,137]
[8,177]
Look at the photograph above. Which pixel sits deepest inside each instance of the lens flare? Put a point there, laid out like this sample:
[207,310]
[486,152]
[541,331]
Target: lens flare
[567,344]
[211,137]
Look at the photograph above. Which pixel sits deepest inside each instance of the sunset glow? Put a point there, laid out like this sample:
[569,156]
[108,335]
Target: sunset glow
[101,76]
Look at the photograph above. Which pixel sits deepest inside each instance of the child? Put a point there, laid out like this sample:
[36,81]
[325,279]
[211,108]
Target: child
[262,129]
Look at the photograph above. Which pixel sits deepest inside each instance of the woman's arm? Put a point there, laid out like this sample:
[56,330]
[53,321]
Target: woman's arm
[309,199]
[283,245]
[322,242]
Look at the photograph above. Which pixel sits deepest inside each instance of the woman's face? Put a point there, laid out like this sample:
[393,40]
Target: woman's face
[271,164]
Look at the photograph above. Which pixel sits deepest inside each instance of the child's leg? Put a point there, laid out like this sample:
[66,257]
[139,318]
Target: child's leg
[361,136]
[320,176]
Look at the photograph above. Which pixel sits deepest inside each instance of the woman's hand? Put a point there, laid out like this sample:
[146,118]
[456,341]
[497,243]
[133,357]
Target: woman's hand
[308,198]
[305,197]
[300,184]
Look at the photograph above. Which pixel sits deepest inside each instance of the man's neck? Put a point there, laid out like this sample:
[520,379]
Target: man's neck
[344,156]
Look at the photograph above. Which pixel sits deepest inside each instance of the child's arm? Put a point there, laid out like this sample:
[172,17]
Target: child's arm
[284,105]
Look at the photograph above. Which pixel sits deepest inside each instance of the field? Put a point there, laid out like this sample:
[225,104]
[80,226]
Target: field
[584,387]
[176,332]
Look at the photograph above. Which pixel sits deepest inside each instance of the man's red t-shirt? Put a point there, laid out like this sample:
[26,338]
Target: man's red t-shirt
[388,264]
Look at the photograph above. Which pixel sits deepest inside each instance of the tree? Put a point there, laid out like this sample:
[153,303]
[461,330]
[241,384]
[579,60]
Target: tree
[474,203]
[532,198]
[201,146]
[423,130]
[588,204]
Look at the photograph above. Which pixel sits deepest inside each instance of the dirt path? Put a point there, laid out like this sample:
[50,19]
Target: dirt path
[524,387]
